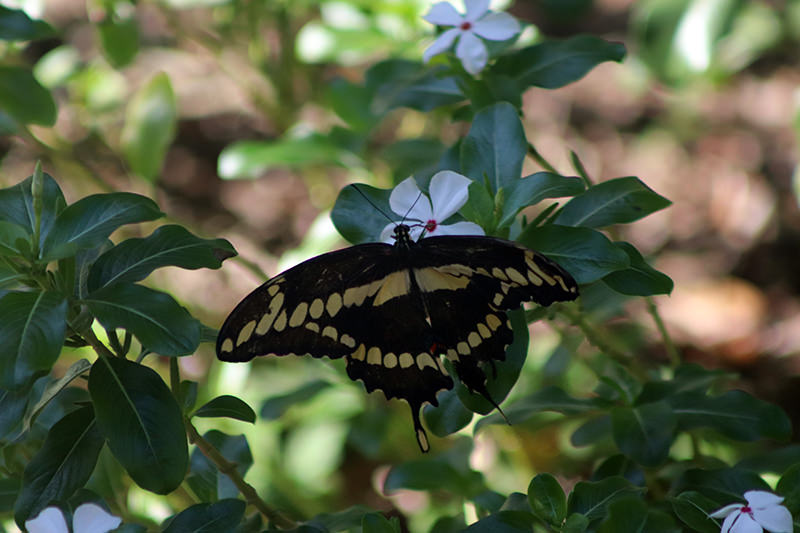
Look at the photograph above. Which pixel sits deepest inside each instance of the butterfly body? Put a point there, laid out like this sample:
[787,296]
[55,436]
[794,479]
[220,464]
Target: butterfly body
[392,310]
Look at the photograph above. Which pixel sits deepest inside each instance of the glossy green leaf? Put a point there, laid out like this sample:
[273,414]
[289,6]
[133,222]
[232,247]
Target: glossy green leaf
[495,146]
[551,398]
[433,474]
[735,414]
[348,100]
[150,124]
[639,279]
[89,221]
[645,432]
[62,465]
[480,208]
[251,159]
[553,64]
[532,189]
[12,409]
[583,252]
[358,220]
[142,422]
[575,523]
[416,156]
[55,386]
[24,98]
[345,520]
[619,465]
[32,329]
[275,406]
[547,499]
[16,25]
[120,40]
[157,320]
[616,201]
[224,515]
[134,259]
[205,479]
[227,406]
[377,523]
[449,416]
[722,485]
[9,490]
[789,487]
[592,431]
[687,378]
[400,83]
[16,205]
[692,508]
[592,498]
[503,522]
[10,235]
[631,515]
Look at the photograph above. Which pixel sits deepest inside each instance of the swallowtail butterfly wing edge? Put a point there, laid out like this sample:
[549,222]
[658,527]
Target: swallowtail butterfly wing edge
[392,310]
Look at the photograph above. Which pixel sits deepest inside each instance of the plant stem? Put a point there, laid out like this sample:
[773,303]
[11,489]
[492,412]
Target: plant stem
[672,351]
[534,153]
[596,337]
[229,469]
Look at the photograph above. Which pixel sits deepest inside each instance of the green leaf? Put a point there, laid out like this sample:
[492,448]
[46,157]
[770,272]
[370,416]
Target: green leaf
[9,489]
[32,328]
[348,519]
[592,498]
[347,100]
[251,159]
[645,432]
[433,474]
[120,40]
[723,485]
[62,465]
[532,189]
[789,487]
[640,279]
[142,422]
[449,416]
[16,205]
[53,388]
[224,515]
[89,221]
[692,508]
[400,83]
[551,398]
[157,320]
[10,236]
[275,406]
[547,499]
[553,64]
[416,156]
[735,414]
[619,465]
[583,252]
[227,406]
[592,431]
[631,515]
[503,522]
[205,479]
[12,408]
[356,219]
[150,123]
[687,378]
[134,259]
[16,25]
[495,146]
[616,201]
[377,523]
[24,98]
[576,523]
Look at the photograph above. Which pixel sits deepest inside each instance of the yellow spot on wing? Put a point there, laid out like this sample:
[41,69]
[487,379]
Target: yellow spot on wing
[347,340]
[484,331]
[360,353]
[227,345]
[446,277]
[245,332]
[280,322]
[299,315]
[405,360]
[463,348]
[390,360]
[474,339]
[425,359]
[334,304]
[394,285]
[330,331]
[273,289]
[499,274]
[531,262]
[374,356]
[316,308]
[313,326]
[493,322]
[516,277]
[272,311]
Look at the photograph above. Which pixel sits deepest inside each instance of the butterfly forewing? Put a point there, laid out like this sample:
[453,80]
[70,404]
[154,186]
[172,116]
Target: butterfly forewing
[392,311]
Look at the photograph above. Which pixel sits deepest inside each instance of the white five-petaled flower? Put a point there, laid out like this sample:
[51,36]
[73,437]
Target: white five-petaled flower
[477,22]
[763,511]
[88,518]
[449,192]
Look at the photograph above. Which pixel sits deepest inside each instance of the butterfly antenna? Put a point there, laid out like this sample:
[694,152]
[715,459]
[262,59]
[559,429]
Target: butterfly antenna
[370,202]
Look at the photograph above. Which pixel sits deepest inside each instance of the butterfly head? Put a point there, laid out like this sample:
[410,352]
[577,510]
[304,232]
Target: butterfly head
[402,236]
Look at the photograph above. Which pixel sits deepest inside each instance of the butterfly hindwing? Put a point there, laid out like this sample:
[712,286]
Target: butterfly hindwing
[393,311]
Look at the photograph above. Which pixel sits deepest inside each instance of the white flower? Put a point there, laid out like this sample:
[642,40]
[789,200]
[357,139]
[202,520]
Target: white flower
[468,28]
[762,511]
[449,192]
[88,518]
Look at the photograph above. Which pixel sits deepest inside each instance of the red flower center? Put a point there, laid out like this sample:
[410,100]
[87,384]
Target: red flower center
[466,26]
[747,509]
[430,226]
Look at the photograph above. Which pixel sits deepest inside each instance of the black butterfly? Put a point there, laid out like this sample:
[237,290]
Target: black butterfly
[392,310]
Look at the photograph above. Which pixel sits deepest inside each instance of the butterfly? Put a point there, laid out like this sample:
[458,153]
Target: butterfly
[393,310]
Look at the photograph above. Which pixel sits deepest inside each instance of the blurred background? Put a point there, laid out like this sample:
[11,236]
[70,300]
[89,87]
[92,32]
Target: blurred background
[241,118]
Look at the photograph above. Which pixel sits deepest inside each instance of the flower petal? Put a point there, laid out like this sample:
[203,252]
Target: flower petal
[472,52]
[449,192]
[91,518]
[761,499]
[408,201]
[441,44]
[741,523]
[777,519]
[725,511]
[387,233]
[50,520]
[415,232]
[497,27]
[458,228]
[475,9]
[444,14]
